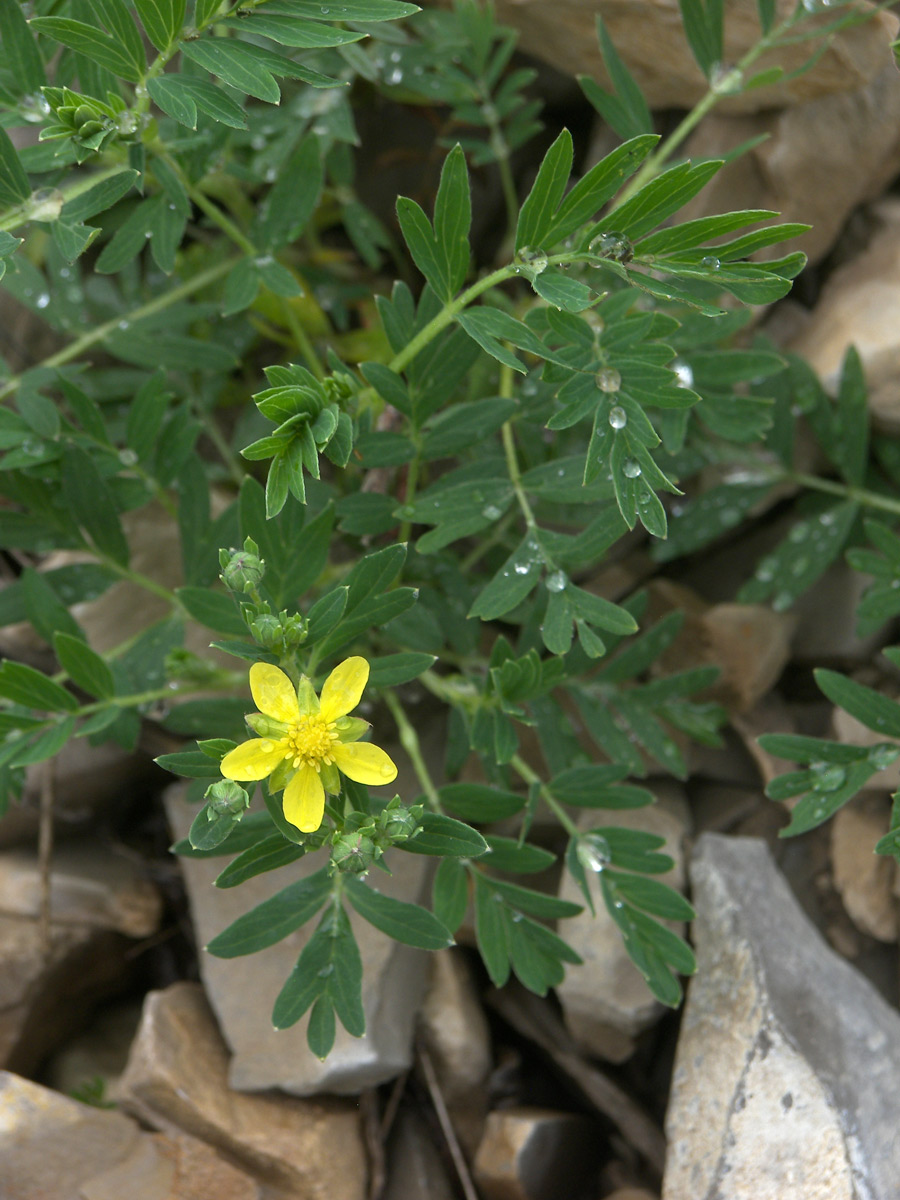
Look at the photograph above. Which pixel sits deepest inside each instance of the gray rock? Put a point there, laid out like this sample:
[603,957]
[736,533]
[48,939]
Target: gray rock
[416,1170]
[242,991]
[788,1063]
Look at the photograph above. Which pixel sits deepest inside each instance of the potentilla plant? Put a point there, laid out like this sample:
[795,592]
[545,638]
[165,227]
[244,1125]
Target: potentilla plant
[420,494]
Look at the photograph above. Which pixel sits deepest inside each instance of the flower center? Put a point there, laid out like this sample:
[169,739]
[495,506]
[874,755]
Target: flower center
[310,741]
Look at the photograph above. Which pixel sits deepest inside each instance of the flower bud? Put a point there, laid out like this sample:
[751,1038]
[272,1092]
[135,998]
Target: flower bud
[244,572]
[354,852]
[398,823]
[267,630]
[226,798]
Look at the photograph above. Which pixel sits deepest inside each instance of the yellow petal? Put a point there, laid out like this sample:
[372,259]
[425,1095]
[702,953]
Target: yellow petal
[304,800]
[274,693]
[252,760]
[343,688]
[364,763]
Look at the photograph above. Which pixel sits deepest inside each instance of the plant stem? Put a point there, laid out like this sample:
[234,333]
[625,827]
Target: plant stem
[446,316]
[240,239]
[665,151]
[99,332]
[409,740]
[524,771]
[509,450]
[848,491]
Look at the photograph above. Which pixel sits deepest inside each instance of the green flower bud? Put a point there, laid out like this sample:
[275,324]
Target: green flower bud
[226,798]
[398,824]
[353,853]
[267,630]
[244,571]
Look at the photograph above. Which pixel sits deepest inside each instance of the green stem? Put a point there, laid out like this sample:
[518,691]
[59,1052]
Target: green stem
[409,740]
[412,482]
[847,491]
[240,239]
[685,127]
[447,315]
[509,450]
[524,771]
[99,332]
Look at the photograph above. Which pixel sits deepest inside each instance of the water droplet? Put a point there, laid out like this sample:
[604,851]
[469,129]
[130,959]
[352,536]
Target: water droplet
[534,260]
[42,300]
[710,262]
[123,325]
[684,376]
[267,746]
[618,418]
[725,80]
[593,851]
[396,76]
[46,204]
[799,533]
[257,142]
[827,776]
[631,468]
[608,379]
[882,756]
[557,581]
[612,245]
[521,568]
[826,518]
[33,447]
[782,600]
[491,513]
[595,321]
[326,970]
[799,565]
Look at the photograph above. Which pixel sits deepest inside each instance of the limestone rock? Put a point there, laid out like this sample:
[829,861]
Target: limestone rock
[242,992]
[535,1154]
[749,642]
[90,885]
[865,879]
[44,996]
[803,171]
[860,306]
[53,1148]
[788,1062]
[648,34]
[606,1001]
[176,1080]
[455,1032]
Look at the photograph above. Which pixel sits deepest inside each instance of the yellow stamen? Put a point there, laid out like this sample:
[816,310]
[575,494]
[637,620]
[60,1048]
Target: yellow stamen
[310,741]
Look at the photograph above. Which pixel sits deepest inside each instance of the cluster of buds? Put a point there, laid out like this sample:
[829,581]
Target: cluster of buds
[90,123]
[242,573]
[355,850]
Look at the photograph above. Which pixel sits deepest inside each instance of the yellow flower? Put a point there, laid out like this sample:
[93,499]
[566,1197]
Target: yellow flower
[307,740]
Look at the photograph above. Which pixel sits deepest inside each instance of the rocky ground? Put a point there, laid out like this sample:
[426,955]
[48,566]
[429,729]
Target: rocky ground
[136,1066]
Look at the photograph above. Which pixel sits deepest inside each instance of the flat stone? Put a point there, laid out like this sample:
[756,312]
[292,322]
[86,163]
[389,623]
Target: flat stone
[242,992]
[44,997]
[535,1154]
[53,1148]
[176,1081]
[90,885]
[788,1062]
[606,1001]
[649,36]
[860,306]
[864,879]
